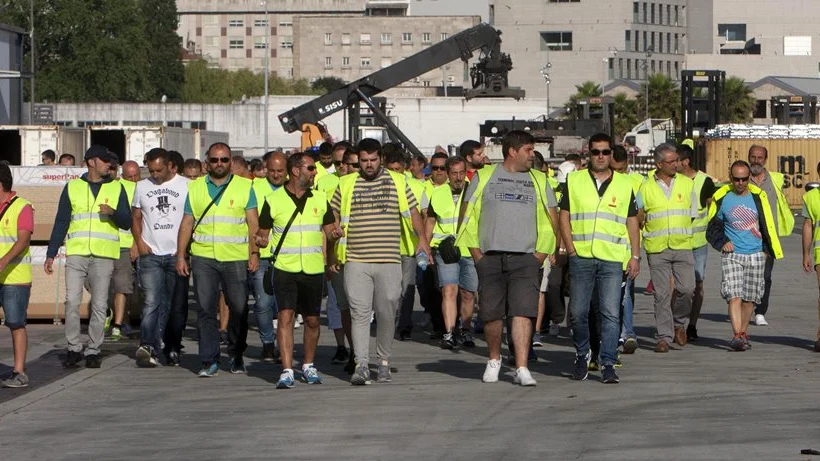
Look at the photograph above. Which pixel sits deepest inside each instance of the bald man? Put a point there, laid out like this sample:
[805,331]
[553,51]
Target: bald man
[266,308]
[122,281]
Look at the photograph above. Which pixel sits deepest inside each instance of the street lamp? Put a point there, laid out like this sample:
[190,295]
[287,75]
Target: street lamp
[545,72]
[267,71]
[648,52]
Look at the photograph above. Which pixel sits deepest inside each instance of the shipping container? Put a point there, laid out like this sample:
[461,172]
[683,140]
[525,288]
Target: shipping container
[797,159]
[205,139]
[132,142]
[24,144]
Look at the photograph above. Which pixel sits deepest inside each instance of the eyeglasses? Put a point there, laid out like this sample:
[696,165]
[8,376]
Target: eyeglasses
[219,159]
[736,179]
[311,167]
[353,165]
[337,162]
[438,168]
[600,152]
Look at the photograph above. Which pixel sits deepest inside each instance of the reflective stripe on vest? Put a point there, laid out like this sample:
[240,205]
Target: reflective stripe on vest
[18,270]
[668,220]
[223,233]
[601,233]
[812,201]
[699,224]
[768,213]
[91,234]
[126,237]
[446,216]
[302,249]
[409,240]
[262,189]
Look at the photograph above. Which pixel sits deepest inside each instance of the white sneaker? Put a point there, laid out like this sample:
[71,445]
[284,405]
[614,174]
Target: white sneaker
[298,321]
[761,321]
[275,324]
[491,372]
[555,329]
[523,377]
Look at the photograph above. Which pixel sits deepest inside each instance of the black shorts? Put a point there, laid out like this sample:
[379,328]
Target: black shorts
[299,292]
[508,285]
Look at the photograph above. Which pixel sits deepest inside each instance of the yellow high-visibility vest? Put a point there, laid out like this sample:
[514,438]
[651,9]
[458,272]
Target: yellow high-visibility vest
[767,214]
[446,217]
[91,233]
[18,271]
[126,237]
[262,189]
[599,223]
[699,225]
[222,234]
[302,250]
[812,201]
[668,220]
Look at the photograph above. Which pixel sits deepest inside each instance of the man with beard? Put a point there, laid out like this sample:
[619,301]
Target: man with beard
[772,184]
[376,216]
[473,153]
[299,218]
[220,222]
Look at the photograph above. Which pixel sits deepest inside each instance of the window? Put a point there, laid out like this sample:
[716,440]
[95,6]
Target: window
[444,36]
[660,42]
[387,39]
[236,44]
[760,109]
[259,43]
[637,41]
[236,23]
[260,23]
[286,41]
[345,39]
[652,13]
[645,41]
[328,62]
[652,42]
[644,12]
[328,39]
[425,37]
[676,44]
[636,10]
[556,41]
[364,39]
[797,46]
[426,83]
[660,14]
[629,69]
[676,76]
[406,37]
[212,41]
[627,40]
[364,63]
[210,20]
[346,62]
[386,62]
[732,32]
[677,22]
[285,22]
[669,43]
[668,68]
[669,14]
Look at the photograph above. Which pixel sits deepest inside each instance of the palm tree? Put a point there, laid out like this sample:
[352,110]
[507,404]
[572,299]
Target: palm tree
[664,97]
[738,102]
[626,113]
[585,90]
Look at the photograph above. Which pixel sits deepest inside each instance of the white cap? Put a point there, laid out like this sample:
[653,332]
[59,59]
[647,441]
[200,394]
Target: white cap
[564,169]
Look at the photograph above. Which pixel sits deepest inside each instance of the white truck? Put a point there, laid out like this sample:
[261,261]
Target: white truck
[24,144]
[648,134]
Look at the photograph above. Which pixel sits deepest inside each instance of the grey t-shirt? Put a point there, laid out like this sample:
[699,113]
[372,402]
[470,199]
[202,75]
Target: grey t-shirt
[508,207]
[767,185]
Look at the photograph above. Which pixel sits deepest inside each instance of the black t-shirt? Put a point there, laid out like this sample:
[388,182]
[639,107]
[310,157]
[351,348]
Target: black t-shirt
[266,220]
[564,203]
[707,191]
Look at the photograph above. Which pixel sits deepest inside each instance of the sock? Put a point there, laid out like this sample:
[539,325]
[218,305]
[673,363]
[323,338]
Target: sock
[288,370]
[116,325]
[305,366]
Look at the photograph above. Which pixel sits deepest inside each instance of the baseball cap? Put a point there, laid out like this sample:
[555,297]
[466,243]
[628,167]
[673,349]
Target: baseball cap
[101,152]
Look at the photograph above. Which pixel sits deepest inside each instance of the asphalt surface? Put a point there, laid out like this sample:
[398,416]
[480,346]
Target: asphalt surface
[698,402]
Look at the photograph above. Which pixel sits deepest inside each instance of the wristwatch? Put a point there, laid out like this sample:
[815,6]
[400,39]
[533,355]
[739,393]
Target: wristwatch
[636,258]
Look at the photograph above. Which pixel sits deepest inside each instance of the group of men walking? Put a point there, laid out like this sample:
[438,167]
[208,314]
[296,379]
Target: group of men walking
[374,228]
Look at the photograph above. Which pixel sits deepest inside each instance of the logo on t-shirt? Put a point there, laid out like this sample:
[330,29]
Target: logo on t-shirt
[744,219]
[164,209]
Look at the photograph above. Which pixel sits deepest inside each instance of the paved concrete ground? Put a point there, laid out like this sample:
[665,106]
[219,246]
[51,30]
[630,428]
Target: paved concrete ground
[702,402]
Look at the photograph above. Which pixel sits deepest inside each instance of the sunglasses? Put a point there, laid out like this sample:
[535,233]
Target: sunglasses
[438,168]
[354,165]
[337,162]
[736,179]
[600,152]
[219,159]
[311,167]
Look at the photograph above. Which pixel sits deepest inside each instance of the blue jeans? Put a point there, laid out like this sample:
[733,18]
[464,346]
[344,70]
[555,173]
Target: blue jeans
[265,308]
[14,299]
[158,279]
[607,276]
[209,275]
[628,307]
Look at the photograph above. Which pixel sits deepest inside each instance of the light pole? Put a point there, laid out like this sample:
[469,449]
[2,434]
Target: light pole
[648,52]
[267,71]
[545,72]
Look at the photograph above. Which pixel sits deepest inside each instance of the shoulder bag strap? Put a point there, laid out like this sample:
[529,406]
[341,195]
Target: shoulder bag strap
[207,208]
[300,206]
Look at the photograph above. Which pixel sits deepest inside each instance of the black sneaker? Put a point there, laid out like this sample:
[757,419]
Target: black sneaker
[350,368]
[172,359]
[238,365]
[580,370]
[341,355]
[92,361]
[466,338]
[223,337]
[691,333]
[448,342]
[72,359]
[437,334]
[268,352]
[608,376]
[404,335]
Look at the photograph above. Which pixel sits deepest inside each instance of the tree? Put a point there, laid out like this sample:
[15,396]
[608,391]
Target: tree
[585,90]
[218,86]
[738,103]
[664,98]
[327,84]
[165,69]
[626,113]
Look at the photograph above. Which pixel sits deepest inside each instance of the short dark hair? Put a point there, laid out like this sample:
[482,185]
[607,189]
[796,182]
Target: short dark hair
[467,147]
[325,148]
[5,176]
[538,161]
[218,145]
[370,146]
[438,155]
[69,156]
[742,163]
[393,156]
[348,153]
[255,164]
[192,163]
[343,145]
[619,153]
[514,140]
[685,152]
[453,161]
[420,158]
[599,137]
[50,154]
[572,158]
[157,153]
[177,160]
[295,160]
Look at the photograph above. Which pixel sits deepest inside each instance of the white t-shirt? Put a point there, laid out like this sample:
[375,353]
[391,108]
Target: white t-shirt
[162,208]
